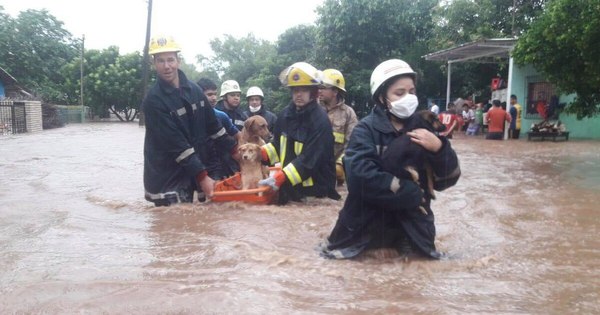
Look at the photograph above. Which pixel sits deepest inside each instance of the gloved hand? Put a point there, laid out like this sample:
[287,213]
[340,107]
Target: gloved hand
[412,194]
[274,181]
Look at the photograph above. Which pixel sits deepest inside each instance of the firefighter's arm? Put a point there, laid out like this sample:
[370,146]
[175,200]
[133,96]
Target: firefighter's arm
[170,137]
[352,121]
[365,175]
[445,165]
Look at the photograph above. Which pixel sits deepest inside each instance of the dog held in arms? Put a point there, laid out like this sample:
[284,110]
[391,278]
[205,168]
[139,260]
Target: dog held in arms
[406,159]
[256,130]
[251,168]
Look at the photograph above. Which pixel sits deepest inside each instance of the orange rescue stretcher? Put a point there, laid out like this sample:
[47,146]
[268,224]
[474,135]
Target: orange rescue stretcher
[228,190]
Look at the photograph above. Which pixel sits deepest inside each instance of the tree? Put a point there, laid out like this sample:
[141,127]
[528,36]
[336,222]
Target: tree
[34,48]
[462,21]
[563,44]
[354,36]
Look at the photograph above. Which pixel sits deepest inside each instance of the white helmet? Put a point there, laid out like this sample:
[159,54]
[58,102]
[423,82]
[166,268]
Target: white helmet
[229,86]
[255,91]
[388,69]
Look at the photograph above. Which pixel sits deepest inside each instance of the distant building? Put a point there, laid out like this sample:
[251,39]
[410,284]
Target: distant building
[18,112]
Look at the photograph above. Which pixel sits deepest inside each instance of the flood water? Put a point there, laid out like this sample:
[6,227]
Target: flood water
[76,236]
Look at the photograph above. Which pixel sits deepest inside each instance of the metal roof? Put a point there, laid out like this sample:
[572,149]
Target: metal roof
[485,50]
[6,77]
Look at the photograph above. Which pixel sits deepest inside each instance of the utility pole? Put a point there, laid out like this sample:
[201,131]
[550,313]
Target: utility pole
[81,78]
[146,62]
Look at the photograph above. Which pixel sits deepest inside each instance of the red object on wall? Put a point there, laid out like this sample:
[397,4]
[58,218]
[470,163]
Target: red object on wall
[495,83]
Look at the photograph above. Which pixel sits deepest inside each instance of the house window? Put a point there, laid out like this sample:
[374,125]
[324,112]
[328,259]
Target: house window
[539,95]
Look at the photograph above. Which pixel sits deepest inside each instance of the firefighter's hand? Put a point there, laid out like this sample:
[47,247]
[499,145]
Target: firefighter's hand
[274,181]
[426,139]
[412,194]
[206,184]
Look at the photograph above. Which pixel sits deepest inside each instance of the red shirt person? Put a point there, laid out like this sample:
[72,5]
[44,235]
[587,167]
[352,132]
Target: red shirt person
[450,120]
[496,117]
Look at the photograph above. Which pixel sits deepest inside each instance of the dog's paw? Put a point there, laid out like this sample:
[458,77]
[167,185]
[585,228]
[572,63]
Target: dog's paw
[413,173]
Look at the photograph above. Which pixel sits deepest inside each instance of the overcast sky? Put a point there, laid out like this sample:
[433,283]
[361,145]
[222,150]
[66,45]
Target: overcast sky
[192,23]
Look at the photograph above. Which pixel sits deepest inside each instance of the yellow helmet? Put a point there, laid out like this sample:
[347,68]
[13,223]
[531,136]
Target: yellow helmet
[332,77]
[300,74]
[161,44]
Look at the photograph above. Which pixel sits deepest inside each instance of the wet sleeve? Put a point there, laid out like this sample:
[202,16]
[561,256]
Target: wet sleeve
[272,148]
[216,131]
[169,138]
[230,128]
[365,174]
[352,121]
[446,169]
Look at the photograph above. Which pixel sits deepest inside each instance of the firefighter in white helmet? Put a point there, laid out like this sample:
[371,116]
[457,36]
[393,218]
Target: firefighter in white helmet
[256,106]
[342,117]
[179,120]
[231,95]
[303,141]
[382,210]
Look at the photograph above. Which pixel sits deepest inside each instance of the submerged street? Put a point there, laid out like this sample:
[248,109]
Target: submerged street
[77,236]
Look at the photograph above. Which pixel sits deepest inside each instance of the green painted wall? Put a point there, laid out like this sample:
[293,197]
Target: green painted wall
[579,129]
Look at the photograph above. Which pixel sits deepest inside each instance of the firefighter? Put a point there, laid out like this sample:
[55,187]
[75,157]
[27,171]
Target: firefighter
[381,210]
[256,106]
[303,141]
[342,117]
[179,121]
[230,103]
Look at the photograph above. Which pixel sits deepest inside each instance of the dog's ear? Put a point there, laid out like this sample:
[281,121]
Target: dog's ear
[248,123]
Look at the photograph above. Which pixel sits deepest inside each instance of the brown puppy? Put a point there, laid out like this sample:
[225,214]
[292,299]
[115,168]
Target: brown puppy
[256,129]
[251,168]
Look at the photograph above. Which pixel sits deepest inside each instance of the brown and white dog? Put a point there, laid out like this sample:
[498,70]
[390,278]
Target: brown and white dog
[256,130]
[406,159]
[251,168]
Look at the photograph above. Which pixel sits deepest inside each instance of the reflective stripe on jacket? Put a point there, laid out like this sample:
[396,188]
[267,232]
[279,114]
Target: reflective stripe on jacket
[303,144]
[238,117]
[373,194]
[178,124]
[343,119]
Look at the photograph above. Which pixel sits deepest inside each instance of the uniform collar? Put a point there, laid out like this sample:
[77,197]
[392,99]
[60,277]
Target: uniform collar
[335,106]
[381,120]
[169,89]
[308,108]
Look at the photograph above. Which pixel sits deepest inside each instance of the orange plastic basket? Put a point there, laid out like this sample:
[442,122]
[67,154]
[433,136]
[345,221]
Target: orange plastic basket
[228,190]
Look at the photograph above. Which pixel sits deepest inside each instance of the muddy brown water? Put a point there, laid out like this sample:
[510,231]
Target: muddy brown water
[76,237]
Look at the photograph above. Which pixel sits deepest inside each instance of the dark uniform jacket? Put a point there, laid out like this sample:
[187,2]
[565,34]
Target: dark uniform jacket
[267,115]
[238,117]
[178,124]
[303,144]
[373,214]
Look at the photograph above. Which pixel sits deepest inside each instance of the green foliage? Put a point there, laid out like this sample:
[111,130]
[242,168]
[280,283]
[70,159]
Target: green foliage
[566,50]
[354,36]
[461,21]
[34,47]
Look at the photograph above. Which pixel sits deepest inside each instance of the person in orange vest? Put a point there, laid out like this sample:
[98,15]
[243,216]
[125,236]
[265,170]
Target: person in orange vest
[496,118]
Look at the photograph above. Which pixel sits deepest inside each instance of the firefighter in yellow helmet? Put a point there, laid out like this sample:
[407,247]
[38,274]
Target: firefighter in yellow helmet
[303,141]
[179,121]
[342,117]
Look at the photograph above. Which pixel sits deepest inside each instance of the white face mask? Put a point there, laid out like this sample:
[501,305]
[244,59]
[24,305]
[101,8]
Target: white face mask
[254,109]
[404,106]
